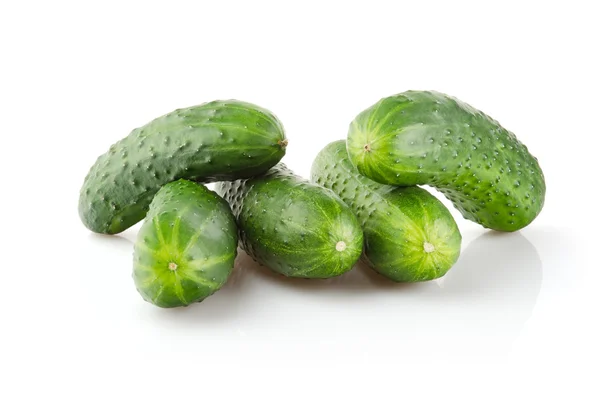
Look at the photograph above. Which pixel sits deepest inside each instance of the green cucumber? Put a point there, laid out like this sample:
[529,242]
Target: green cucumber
[220,140]
[186,247]
[294,227]
[429,138]
[409,234]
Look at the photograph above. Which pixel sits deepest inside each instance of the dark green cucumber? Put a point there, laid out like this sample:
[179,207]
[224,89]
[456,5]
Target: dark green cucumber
[429,138]
[220,140]
[292,226]
[409,234]
[186,247]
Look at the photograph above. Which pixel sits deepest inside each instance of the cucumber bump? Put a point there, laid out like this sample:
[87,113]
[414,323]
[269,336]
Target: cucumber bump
[186,247]
[429,138]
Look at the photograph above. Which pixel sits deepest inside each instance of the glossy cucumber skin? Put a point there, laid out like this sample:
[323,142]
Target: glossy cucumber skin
[294,227]
[220,140]
[186,247]
[397,222]
[429,138]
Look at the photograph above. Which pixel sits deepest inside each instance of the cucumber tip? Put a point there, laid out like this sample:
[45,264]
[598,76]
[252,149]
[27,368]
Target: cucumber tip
[428,247]
[340,246]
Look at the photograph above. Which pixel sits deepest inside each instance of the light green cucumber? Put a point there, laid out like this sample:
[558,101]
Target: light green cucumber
[220,140]
[409,234]
[429,138]
[294,227]
[186,247]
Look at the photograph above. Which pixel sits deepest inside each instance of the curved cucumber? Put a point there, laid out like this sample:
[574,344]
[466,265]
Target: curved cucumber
[220,140]
[425,137]
[292,226]
[409,234]
[185,250]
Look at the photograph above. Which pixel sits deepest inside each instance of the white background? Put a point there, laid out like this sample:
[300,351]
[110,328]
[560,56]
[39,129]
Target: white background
[517,315]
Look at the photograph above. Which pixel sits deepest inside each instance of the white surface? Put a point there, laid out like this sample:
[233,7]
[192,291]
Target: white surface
[517,314]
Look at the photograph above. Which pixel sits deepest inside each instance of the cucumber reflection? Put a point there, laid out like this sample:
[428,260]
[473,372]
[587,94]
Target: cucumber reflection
[492,290]
[480,306]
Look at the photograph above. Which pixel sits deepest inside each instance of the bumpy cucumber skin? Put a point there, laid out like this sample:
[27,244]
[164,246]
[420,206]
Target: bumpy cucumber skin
[220,140]
[425,137]
[292,226]
[193,228]
[397,221]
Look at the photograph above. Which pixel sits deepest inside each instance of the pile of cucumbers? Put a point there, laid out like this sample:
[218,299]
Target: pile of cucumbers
[362,200]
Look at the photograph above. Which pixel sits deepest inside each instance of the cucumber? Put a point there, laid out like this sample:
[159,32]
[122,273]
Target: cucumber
[294,227]
[220,140]
[429,138]
[186,247]
[409,234]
